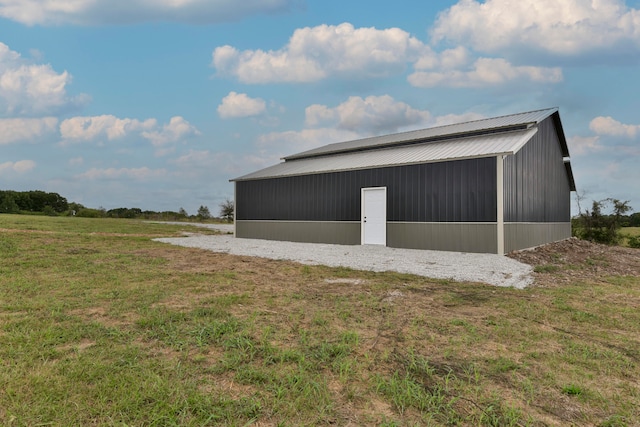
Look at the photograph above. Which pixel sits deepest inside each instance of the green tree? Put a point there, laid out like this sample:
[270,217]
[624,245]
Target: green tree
[8,203]
[226,210]
[203,212]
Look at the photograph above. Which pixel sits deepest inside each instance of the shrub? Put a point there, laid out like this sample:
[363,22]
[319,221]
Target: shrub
[599,227]
[634,241]
[90,213]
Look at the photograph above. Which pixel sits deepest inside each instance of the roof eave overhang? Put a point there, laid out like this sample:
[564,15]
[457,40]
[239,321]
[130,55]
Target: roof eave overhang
[480,156]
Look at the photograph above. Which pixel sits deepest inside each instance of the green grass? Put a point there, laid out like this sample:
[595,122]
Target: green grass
[99,325]
[631,236]
[630,231]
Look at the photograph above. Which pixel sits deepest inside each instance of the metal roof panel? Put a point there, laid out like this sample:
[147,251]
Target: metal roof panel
[452,149]
[490,124]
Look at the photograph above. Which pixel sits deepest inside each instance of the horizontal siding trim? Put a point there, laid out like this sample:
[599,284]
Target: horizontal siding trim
[296,221]
[444,222]
[537,223]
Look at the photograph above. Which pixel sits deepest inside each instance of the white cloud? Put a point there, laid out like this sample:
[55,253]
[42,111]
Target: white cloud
[97,12]
[316,53]
[568,27]
[21,166]
[371,115]
[485,72]
[13,130]
[94,128]
[609,133]
[136,174]
[177,129]
[236,105]
[27,88]
[353,119]
[611,127]
[89,128]
[581,145]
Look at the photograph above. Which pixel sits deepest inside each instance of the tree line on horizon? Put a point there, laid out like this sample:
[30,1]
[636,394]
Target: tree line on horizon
[38,202]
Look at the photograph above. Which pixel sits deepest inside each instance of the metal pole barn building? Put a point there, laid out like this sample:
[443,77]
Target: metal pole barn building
[490,186]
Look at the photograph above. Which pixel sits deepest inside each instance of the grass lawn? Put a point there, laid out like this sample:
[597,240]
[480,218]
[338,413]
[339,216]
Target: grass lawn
[631,231]
[99,325]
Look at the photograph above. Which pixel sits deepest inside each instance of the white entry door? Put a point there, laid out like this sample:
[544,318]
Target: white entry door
[374,216]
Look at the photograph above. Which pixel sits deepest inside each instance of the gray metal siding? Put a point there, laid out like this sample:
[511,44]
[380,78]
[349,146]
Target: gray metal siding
[528,235]
[455,191]
[460,237]
[536,186]
[339,233]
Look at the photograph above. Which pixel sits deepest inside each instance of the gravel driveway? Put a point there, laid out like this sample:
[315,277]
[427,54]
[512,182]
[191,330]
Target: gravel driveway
[486,268]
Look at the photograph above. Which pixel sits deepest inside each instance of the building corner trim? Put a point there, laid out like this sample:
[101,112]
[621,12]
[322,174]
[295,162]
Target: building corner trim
[500,203]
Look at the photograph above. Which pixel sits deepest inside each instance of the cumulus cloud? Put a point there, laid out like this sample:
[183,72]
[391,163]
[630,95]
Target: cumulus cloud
[95,128]
[13,130]
[21,166]
[609,133]
[33,89]
[325,51]
[236,105]
[79,129]
[316,53]
[568,27]
[611,127]
[100,12]
[136,174]
[485,72]
[371,115]
[581,145]
[177,129]
[354,119]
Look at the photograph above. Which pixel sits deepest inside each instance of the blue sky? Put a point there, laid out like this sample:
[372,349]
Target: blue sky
[158,104]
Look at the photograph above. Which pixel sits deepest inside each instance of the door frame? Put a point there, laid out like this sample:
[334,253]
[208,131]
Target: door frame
[362,212]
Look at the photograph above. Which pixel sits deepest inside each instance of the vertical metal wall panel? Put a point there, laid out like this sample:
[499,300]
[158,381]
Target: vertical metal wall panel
[461,237]
[520,235]
[461,190]
[339,232]
[536,187]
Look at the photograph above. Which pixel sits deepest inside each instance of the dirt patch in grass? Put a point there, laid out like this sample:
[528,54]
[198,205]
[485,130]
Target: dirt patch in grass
[13,230]
[573,260]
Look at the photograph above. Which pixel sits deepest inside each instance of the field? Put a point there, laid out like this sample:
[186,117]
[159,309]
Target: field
[99,325]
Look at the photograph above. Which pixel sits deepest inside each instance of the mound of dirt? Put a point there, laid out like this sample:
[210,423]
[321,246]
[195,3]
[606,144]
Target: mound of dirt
[574,259]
